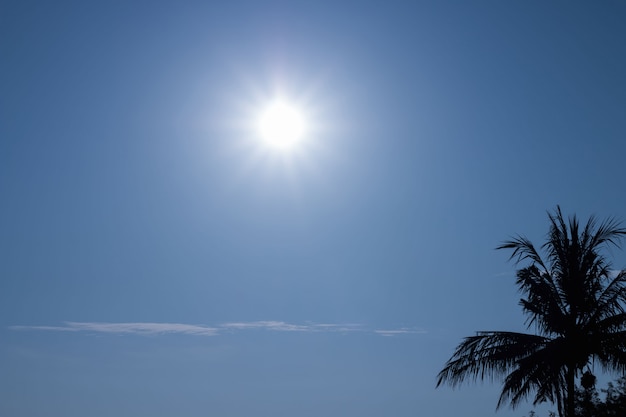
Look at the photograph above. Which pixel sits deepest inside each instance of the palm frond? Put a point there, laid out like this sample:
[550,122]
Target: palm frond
[488,355]
[522,249]
[609,325]
[544,303]
[611,300]
[609,232]
[540,372]
[611,352]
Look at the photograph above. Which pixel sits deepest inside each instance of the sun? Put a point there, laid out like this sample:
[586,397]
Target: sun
[281,125]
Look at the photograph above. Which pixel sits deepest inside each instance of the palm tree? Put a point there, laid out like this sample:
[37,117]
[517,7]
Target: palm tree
[576,304]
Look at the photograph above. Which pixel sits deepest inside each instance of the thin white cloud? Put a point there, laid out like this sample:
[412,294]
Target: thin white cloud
[347,327]
[397,332]
[280,326]
[49,328]
[127,328]
[147,329]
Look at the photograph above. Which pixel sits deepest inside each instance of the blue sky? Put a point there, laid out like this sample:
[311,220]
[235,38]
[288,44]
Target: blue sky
[158,260]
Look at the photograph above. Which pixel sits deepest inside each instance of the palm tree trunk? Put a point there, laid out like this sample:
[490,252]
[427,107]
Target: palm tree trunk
[570,380]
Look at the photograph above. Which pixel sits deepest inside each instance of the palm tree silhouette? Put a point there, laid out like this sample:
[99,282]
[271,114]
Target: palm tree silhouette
[576,304]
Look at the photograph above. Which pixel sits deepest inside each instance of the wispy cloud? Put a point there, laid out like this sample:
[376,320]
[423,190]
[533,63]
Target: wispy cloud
[127,328]
[282,326]
[346,327]
[397,332]
[147,329]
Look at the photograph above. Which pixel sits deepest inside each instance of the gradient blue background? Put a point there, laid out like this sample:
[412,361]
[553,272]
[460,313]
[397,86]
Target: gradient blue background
[132,192]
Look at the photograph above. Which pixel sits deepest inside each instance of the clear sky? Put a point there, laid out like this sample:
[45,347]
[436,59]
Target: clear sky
[158,260]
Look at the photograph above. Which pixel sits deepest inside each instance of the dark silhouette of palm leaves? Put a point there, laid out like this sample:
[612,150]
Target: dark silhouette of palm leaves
[575,303]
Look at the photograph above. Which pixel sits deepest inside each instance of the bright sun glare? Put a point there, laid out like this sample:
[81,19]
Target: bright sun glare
[281,125]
